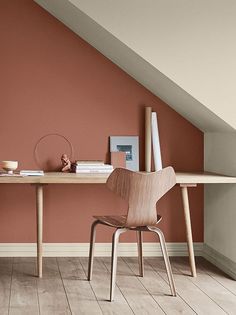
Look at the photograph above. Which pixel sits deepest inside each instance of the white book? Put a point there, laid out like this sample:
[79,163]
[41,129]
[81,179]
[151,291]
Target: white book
[4,174]
[89,162]
[93,171]
[94,167]
[32,173]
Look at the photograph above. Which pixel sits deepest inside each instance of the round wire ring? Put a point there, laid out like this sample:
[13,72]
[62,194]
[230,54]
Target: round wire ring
[36,158]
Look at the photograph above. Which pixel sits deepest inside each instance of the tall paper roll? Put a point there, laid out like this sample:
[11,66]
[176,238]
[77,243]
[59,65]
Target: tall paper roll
[156,143]
[148,138]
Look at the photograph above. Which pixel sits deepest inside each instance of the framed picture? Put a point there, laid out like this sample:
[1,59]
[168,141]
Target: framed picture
[129,145]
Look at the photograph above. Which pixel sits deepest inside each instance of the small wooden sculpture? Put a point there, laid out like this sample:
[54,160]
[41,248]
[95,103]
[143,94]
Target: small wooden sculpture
[66,163]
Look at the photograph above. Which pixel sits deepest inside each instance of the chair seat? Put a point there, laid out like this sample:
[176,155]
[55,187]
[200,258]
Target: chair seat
[112,220]
[118,220]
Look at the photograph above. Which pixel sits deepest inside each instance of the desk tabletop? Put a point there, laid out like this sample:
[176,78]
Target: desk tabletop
[203,178]
[69,178]
[56,178]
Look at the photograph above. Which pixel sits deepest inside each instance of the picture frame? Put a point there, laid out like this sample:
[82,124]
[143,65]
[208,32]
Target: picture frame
[129,145]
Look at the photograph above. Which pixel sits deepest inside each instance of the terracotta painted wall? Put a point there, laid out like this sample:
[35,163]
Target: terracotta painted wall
[51,81]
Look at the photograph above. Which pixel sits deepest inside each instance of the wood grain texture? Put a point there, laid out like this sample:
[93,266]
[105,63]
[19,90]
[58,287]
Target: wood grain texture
[203,178]
[148,138]
[157,287]
[100,286]
[24,297]
[141,191]
[51,292]
[187,218]
[213,292]
[222,297]
[218,275]
[191,294]
[69,178]
[112,220]
[80,295]
[39,216]
[6,265]
[59,178]
[137,296]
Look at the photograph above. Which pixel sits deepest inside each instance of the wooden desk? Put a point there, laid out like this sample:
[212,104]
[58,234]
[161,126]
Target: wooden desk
[185,180]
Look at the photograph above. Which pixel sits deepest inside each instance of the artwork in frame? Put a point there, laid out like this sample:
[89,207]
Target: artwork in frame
[129,145]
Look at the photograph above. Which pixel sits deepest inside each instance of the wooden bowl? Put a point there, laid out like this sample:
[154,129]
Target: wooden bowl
[9,166]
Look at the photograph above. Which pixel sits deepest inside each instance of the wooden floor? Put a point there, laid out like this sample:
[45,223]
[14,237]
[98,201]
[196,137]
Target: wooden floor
[65,290]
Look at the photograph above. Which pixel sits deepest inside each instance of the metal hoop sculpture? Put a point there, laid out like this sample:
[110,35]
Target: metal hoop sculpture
[36,157]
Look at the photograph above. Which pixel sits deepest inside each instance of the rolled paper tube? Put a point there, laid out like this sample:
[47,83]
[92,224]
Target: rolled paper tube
[148,138]
[156,143]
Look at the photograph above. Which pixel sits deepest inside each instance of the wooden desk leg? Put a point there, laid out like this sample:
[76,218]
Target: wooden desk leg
[184,190]
[39,214]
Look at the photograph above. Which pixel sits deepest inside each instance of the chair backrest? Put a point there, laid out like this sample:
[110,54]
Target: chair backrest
[141,191]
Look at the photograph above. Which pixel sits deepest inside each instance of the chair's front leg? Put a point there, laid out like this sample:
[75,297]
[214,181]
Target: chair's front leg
[140,252]
[166,258]
[91,249]
[115,241]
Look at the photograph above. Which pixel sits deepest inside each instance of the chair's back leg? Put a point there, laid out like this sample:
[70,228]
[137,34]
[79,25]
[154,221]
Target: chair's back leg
[166,258]
[115,241]
[91,249]
[140,252]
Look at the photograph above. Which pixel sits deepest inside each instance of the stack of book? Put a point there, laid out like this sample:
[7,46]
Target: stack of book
[91,167]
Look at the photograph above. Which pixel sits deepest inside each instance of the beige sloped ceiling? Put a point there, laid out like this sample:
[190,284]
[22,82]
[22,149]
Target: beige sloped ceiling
[183,51]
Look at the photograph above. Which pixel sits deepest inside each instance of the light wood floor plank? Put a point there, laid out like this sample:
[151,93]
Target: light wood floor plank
[79,292]
[101,286]
[5,284]
[24,298]
[50,268]
[6,260]
[218,275]
[24,269]
[224,298]
[159,289]
[51,292]
[64,288]
[191,294]
[137,296]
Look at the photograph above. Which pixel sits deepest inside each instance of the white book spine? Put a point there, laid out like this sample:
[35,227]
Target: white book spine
[156,143]
[32,172]
[82,167]
[90,164]
[92,171]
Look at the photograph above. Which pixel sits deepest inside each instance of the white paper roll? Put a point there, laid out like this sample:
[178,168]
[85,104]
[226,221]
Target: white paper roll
[156,143]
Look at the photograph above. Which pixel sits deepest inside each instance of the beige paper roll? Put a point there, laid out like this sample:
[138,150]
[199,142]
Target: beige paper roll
[148,138]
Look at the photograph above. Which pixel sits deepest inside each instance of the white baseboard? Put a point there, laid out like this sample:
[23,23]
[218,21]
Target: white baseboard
[101,249]
[219,260]
[125,249]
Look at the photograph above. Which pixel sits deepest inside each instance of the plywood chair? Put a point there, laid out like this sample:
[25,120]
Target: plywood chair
[141,191]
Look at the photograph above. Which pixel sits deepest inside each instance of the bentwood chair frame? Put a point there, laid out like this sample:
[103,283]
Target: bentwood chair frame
[141,191]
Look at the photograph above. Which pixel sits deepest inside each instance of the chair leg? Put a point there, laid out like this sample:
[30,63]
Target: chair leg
[91,249]
[166,258]
[140,252]
[115,241]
